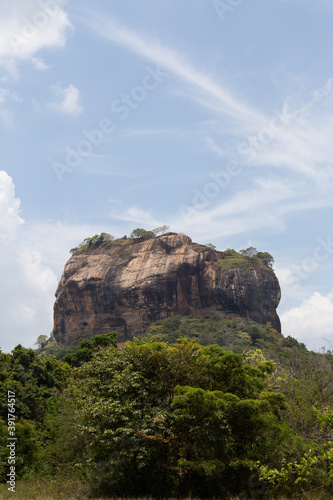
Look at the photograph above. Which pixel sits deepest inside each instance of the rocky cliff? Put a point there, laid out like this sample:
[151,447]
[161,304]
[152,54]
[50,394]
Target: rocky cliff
[127,285]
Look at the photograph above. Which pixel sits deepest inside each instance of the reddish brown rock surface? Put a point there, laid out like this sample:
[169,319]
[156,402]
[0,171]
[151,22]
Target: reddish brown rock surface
[126,288]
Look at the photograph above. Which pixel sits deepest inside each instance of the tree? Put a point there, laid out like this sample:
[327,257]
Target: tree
[41,340]
[236,334]
[93,242]
[165,420]
[142,233]
[86,348]
[312,471]
[292,342]
[249,252]
[266,257]
[161,230]
[36,383]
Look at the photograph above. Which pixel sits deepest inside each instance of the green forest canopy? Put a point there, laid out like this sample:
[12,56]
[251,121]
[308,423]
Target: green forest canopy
[172,417]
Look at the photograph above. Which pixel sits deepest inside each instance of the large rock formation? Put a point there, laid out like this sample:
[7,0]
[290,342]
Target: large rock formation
[125,288]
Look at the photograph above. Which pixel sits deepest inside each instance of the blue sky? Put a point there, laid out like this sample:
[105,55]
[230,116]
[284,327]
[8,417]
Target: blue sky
[214,117]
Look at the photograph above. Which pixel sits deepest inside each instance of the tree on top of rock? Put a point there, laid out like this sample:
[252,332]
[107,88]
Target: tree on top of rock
[142,233]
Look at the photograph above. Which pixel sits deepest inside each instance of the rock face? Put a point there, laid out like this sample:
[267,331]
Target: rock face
[126,288]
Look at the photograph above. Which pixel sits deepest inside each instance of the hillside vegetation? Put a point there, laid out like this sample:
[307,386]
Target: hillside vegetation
[206,408]
[249,258]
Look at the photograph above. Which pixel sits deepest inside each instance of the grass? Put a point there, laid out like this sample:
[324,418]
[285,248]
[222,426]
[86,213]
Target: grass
[124,256]
[47,497]
[122,241]
[240,262]
[70,488]
[201,248]
[46,488]
[91,245]
[234,260]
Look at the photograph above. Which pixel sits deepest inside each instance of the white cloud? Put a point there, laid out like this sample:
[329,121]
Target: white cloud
[32,258]
[39,64]
[289,283]
[6,115]
[9,208]
[11,72]
[53,240]
[30,263]
[299,156]
[27,26]
[67,100]
[137,215]
[261,205]
[27,284]
[303,145]
[3,95]
[311,322]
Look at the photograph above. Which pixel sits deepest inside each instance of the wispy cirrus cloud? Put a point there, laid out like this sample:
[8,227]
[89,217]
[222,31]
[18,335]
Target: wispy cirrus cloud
[137,215]
[171,60]
[294,145]
[286,155]
[303,145]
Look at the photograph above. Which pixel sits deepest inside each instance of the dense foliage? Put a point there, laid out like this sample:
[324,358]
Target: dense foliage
[78,351]
[93,242]
[175,420]
[86,348]
[103,239]
[236,409]
[236,334]
[245,259]
[37,384]
[264,256]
